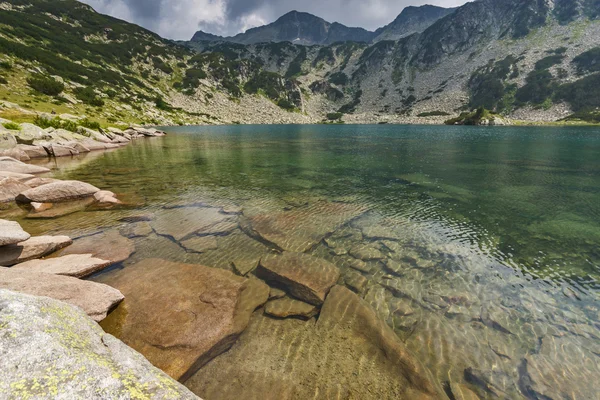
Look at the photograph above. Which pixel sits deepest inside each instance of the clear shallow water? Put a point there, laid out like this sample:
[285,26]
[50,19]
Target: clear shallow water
[497,231]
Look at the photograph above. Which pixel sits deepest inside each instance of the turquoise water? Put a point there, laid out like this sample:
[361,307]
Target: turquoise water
[506,219]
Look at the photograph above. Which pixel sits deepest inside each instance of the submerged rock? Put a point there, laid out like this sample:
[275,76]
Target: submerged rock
[564,368]
[35,247]
[180,316]
[306,277]
[57,192]
[76,265]
[11,233]
[136,230]
[200,244]
[51,350]
[108,245]
[286,307]
[93,298]
[300,229]
[347,354]
[183,222]
[355,281]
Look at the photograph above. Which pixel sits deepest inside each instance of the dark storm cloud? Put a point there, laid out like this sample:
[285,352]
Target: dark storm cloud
[179,19]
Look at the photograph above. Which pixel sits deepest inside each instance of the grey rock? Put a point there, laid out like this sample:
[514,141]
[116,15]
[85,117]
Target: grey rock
[10,189]
[11,165]
[52,350]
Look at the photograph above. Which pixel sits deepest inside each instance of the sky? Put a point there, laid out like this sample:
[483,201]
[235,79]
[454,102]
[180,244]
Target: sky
[180,19]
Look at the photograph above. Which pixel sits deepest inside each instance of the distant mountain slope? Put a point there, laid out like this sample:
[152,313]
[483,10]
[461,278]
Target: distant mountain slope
[535,60]
[298,28]
[411,20]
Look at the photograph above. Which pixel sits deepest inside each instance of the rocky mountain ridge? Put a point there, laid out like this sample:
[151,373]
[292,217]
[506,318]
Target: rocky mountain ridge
[525,59]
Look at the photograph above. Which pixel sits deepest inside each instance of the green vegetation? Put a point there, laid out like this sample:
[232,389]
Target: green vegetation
[335,116]
[471,118]
[286,105]
[68,125]
[45,84]
[161,104]
[588,61]
[295,67]
[161,65]
[325,55]
[6,65]
[487,85]
[88,96]
[3,80]
[538,87]
[582,95]
[592,117]
[351,107]
[338,78]
[12,126]
[433,114]
[549,61]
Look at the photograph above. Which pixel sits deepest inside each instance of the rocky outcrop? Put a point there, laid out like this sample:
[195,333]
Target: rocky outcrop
[10,189]
[58,192]
[206,309]
[51,350]
[347,353]
[35,247]
[75,265]
[93,298]
[11,233]
[306,277]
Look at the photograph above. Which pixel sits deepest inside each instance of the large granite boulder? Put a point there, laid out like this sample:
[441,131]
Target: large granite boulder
[32,248]
[306,277]
[33,151]
[180,316]
[10,189]
[76,265]
[109,245]
[11,233]
[94,298]
[51,350]
[57,192]
[11,165]
[347,354]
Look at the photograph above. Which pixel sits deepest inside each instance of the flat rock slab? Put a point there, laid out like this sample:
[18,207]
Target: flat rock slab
[351,354]
[180,316]
[32,248]
[75,265]
[12,165]
[57,192]
[180,223]
[11,233]
[355,281]
[108,245]
[306,277]
[94,298]
[286,307]
[52,350]
[300,229]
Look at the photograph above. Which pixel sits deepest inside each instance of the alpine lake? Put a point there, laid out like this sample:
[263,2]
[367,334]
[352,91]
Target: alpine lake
[478,246]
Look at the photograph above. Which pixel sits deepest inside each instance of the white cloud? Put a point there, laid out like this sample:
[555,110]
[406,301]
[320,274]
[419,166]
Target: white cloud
[180,19]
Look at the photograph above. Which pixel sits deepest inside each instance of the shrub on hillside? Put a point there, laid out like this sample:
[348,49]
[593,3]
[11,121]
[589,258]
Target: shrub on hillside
[12,126]
[45,84]
[88,96]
